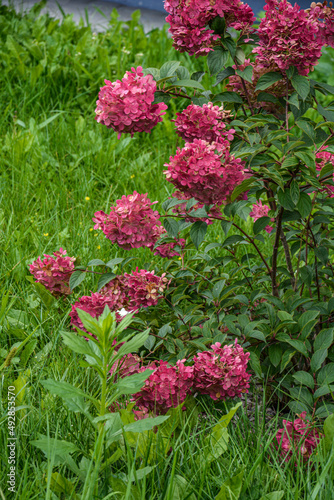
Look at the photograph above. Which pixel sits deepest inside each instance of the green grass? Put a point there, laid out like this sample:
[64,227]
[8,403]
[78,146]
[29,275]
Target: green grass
[58,167]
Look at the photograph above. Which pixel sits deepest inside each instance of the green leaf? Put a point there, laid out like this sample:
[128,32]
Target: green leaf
[76,278]
[230,45]
[317,359]
[132,383]
[267,80]
[241,188]
[275,354]
[104,280]
[217,59]
[78,344]
[261,224]
[246,74]
[169,69]
[324,339]
[179,489]
[113,262]
[50,445]
[172,227]
[228,97]
[96,262]
[301,85]
[197,233]
[304,205]
[274,495]
[326,374]
[132,345]
[304,378]
[64,390]
[231,488]
[27,352]
[188,83]
[329,432]
[224,74]
[307,128]
[294,191]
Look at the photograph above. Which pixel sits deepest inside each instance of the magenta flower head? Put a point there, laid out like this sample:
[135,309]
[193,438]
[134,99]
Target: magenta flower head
[324,16]
[54,272]
[297,437]
[127,106]
[259,211]
[203,122]
[206,172]
[188,21]
[144,288]
[167,387]
[322,158]
[221,372]
[288,37]
[131,222]
[94,305]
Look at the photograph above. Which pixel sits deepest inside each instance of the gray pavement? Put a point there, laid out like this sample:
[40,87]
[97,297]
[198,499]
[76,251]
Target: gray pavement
[150,19]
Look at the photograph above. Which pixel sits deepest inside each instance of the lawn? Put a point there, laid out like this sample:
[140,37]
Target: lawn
[58,167]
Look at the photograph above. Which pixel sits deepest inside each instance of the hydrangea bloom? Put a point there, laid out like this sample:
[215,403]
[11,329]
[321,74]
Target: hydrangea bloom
[188,20]
[167,387]
[324,16]
[167,250]
[221,372]
[116,289]
[54,272]
[131,222]
[259,211]
[127,365]
[288,37]
[200,172]
[126,105]
[94,305]
[297,437]
[203,122]
[144,288]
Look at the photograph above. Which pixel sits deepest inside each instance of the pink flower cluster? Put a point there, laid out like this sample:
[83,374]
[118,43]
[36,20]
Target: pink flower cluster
[259,211]
[127,106]
[203,122]
[130,292]
[325,157]
[94,305]
[188,21]
[144,288]
[288,37]
[221,373]
[167,387]
[200,172]
[54,272]
[298,437]
[131,223]
[324,16]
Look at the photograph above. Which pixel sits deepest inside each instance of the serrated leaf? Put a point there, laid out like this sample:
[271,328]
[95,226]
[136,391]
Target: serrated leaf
[224,74]
[96,262]
[171,226]
[188,83]
[304,205]
[228,97]
[197,232]
[216,59]
[267,80]
[76,278]
[104,280]
[301,85]
[246,74]
[113,262]
[65,390]
[169,69]
[317,359]
[261,224]
[304,378]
